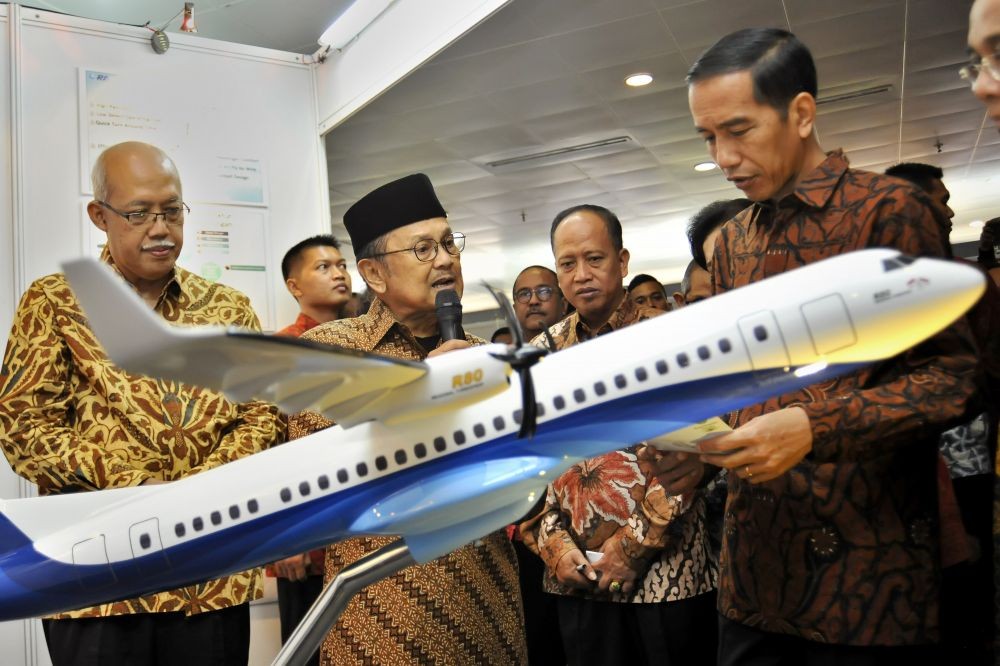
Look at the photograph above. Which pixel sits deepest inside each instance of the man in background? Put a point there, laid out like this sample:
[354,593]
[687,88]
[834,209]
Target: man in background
[704,227]
[463,607]
[646,291]
[930,179]
[538,302]
[696,285]
[316,276]
[645,594]
[70,421]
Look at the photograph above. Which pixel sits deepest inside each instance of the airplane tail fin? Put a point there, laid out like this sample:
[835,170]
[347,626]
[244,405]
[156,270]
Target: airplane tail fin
[106,300]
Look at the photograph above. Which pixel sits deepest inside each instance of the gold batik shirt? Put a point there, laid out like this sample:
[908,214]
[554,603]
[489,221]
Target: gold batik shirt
[462,608]
[71,421]
[617,496]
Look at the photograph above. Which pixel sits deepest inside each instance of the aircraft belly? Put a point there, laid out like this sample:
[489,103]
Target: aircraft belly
[457,494]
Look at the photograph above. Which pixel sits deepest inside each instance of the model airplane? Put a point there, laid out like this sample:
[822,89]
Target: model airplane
[429,451]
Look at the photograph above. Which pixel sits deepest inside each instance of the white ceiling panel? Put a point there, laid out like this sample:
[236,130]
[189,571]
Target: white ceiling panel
[614,43]
[700,25]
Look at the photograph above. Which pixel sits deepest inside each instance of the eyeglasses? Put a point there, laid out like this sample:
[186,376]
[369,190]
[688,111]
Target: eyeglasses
[523,295]
[990,63]
[172,215]
[427,249]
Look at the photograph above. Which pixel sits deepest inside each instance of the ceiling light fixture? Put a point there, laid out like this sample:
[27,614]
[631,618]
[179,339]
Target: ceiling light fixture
[556,152]
[704,166]
[863,92]
[639,79]
[354,20]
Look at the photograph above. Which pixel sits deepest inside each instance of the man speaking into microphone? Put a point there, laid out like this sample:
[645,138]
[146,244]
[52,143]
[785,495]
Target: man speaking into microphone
[464,607]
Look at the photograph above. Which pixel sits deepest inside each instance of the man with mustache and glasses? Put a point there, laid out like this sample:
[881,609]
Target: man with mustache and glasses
[538,303]
[71,421]
[464,607]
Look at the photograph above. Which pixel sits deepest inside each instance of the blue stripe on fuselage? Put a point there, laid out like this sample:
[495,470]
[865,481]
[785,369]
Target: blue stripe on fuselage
[31,584]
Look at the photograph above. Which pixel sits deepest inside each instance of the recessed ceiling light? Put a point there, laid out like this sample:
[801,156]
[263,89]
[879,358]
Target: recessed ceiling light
[704,166]
[640,79]
[977,224]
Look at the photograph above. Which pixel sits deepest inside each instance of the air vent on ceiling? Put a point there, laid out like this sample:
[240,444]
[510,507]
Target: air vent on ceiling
[514,160]
[854,94]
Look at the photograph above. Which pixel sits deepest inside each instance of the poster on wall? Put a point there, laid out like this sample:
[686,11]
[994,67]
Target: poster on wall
[225,244]
[116,107]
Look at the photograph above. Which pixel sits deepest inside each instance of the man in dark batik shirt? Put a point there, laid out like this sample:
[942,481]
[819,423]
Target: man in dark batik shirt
[830,548]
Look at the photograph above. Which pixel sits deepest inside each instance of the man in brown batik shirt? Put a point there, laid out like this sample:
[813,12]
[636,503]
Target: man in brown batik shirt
[71,421]
[649,598]
[463,607]
[830,547]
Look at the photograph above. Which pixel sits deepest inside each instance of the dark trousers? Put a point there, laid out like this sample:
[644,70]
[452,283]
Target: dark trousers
[541,620]
[674,633]
[216,638]
[295,597]
[745,646]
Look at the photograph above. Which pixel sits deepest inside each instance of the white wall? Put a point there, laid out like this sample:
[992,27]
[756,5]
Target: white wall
[280,105]
[404,37]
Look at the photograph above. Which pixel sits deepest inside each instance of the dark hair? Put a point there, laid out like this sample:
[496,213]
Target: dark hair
[707,220]
[611,221]
[686,280]
[503,330]
[780,65]
[641,278]
[292,257]
[921,175]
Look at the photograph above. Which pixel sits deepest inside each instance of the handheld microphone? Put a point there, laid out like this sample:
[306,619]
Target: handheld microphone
[449,314]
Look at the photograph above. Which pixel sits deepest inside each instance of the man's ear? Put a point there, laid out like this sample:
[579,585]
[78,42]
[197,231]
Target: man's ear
[678,299]
[96,213]
[374,273]
[293,288]
[624,256]
[802,113]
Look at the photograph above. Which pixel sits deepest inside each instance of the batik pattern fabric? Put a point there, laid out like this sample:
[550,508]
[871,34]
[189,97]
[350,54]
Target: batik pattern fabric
[966,449]
[843,547]
[72,421]
[617,496]
[462,608]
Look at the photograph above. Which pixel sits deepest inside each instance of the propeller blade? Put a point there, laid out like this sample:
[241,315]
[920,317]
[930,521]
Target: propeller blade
[528,405]
[508,314]
[521,357]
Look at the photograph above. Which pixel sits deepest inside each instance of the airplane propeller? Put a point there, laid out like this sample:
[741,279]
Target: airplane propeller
[520,357]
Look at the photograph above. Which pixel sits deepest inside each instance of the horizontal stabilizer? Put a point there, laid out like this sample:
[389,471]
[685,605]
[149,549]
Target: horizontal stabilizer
[294,374]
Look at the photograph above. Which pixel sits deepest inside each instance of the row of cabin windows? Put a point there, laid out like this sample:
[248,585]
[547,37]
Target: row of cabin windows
[198,524]
[440,444]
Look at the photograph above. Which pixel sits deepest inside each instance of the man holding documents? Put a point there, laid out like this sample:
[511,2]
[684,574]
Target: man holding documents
[614,543]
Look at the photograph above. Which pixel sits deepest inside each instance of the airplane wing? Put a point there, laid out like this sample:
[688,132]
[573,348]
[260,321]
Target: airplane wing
[295,374]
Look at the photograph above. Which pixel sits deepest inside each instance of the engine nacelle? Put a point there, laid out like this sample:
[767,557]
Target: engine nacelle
[454,380]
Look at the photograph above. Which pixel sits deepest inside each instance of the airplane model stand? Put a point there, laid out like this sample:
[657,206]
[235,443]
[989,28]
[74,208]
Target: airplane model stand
[323,614]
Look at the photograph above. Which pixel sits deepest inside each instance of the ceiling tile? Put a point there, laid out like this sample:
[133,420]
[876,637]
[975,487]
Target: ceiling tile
[700,25]
[555,17]
[614,43]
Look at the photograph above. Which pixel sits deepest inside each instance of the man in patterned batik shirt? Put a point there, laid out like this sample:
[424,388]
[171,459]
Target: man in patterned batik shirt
[464,607]
[70,421]
[830,547]
[650,598]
